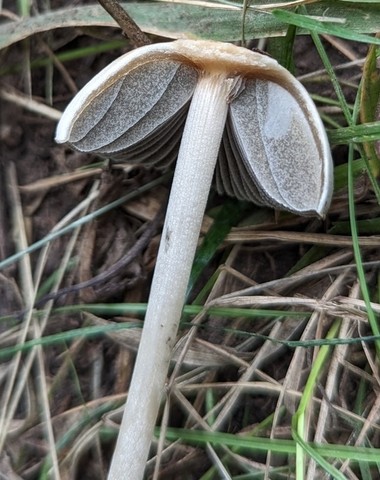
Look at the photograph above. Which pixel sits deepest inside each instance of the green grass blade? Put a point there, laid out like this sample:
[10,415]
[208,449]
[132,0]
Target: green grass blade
[341,30]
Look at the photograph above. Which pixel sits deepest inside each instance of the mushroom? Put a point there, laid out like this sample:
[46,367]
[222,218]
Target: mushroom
[219,110]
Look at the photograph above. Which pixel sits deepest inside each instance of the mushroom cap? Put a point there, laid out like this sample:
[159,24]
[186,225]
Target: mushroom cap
[274,150]
[203,55]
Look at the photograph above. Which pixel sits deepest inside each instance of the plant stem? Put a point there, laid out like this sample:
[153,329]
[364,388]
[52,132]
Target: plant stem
[191,185]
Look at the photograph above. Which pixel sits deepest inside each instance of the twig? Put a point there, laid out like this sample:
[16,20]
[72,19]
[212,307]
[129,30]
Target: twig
[125,260]
[130,28]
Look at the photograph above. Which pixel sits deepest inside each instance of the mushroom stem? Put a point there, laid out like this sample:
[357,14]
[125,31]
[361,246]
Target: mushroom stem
[191,185]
